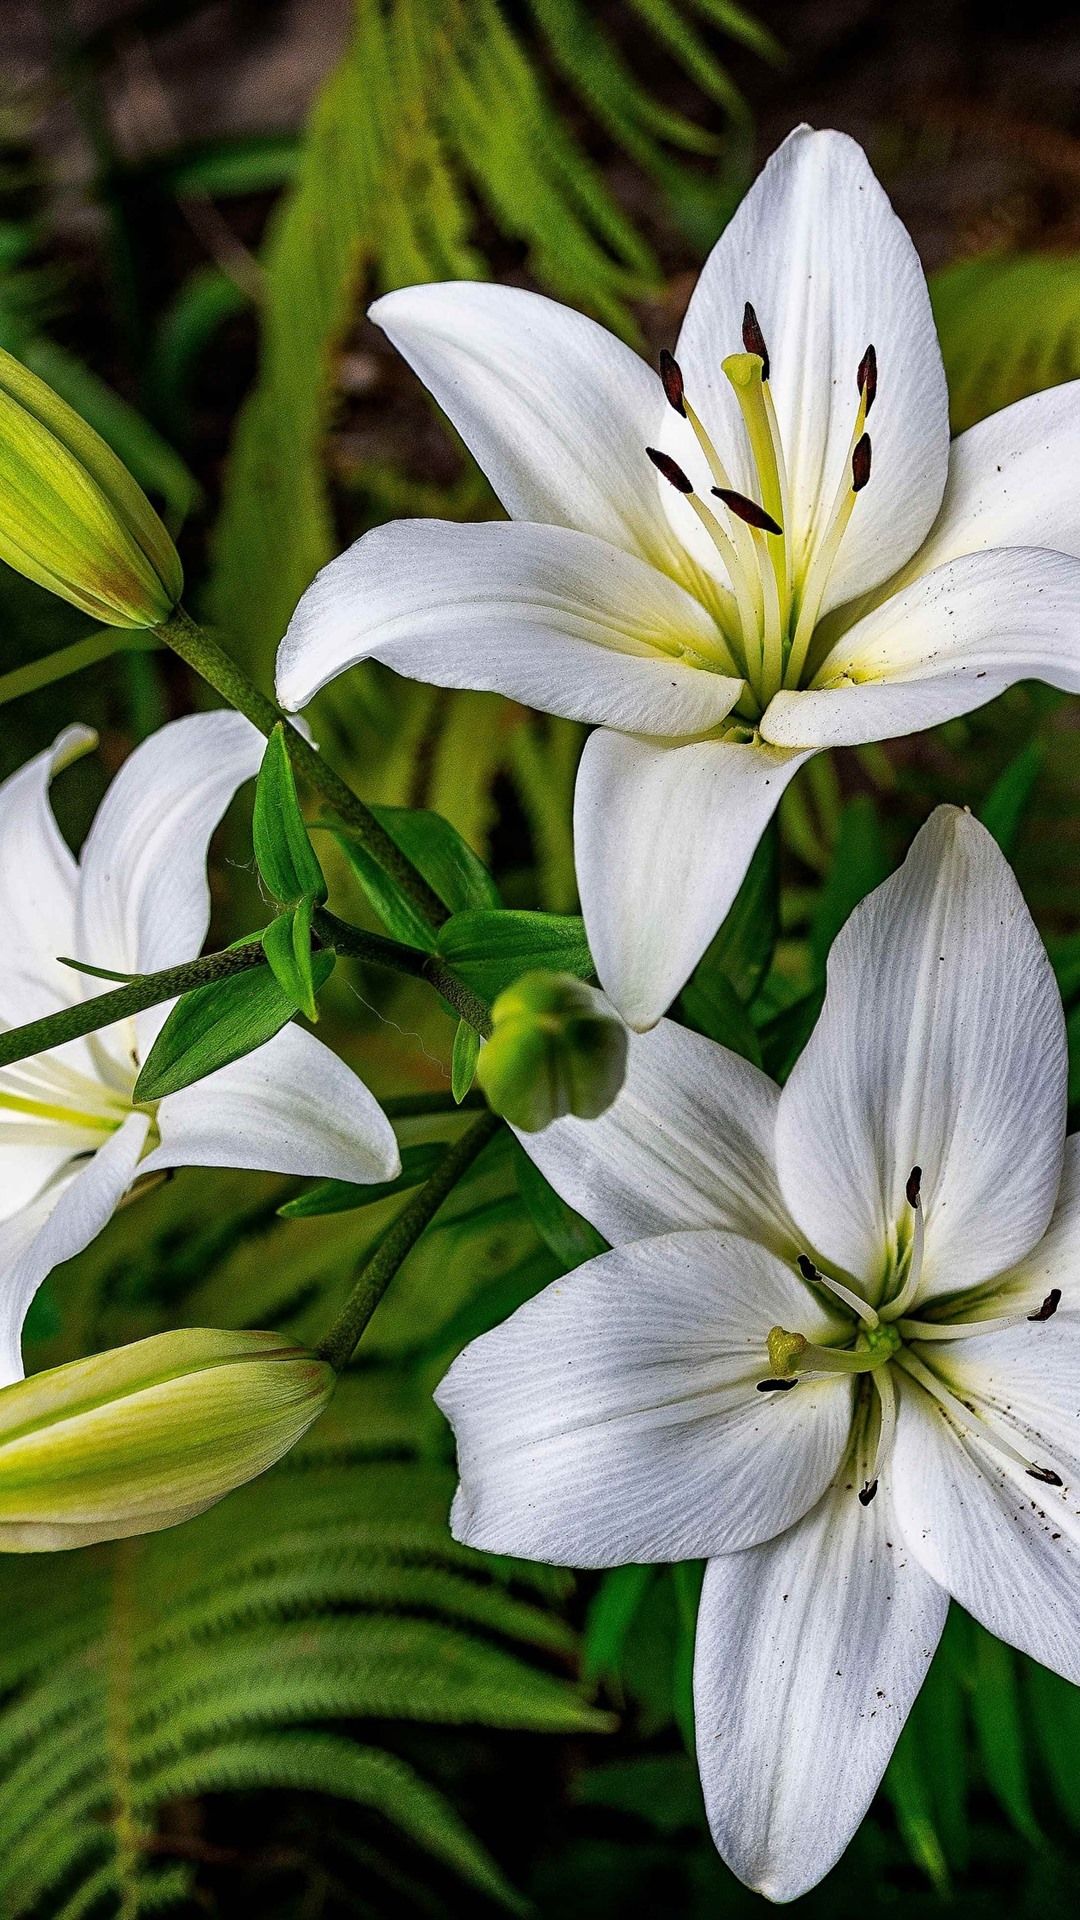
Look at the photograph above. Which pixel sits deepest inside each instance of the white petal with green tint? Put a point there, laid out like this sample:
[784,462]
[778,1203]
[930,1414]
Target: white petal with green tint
[560,620]
[616,1416]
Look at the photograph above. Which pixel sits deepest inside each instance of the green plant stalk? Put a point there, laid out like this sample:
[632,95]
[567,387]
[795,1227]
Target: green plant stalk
[340,1342]
[206,657]
[351,940]
[73,659]
[73,1023]
[420,1106]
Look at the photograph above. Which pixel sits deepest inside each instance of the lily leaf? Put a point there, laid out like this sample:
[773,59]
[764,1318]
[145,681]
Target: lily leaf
[285,855]
[490,949]
[217,1024]
[447,862]
[287,946]
[463,1060]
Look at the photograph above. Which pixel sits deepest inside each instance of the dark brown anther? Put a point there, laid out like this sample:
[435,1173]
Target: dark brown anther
[867,376]
[867,1493]
[807,1268]
[670,469]
[776,1386]
[753,339]
[1049,1306]
[748,510]
[860,464]
[671,375]
[914,1186]
[1047,1475]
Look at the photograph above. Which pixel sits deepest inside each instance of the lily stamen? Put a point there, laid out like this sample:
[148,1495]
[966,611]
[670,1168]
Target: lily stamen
[895,1309]
[749,615]
[984,1423]
[970,1329]
[852,1300]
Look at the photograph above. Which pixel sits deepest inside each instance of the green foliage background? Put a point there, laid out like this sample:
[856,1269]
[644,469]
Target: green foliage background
[310,1702]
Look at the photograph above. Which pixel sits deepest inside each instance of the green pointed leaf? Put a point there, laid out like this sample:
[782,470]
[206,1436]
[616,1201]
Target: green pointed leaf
[463,1060]
[447,862]
[286,858]
[344,1196]
[1006,803]
[571,1239]
[287,946]
[490,950]
[217,1024]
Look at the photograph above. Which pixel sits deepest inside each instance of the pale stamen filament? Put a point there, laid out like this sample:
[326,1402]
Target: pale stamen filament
[886,1401]
[748,614]
[970,1329]
[991,1430]
[852,1300]
[739,532]
[893,1309]
[65,1116]
[745,372]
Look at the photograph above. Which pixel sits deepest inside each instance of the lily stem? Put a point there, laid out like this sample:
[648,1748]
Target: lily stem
[359,945]
[208,658]
[73,1023]
[375,1276]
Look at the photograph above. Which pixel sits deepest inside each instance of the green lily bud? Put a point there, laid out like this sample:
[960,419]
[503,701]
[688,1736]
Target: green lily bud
[145,1436]
[71,516]
[554,1049]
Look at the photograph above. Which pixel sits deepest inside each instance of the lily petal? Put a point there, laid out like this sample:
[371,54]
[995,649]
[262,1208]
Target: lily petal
[810,1652]
[557,411]
[144,901]
[1005,486]
[944,645]
[559,620]
[56,1226]
[664,833]
[37,888]
[941,1045]
[1053,1262]
[687,1143]
[616,1418]
[290,1107]
[1005,1547]
[817,249]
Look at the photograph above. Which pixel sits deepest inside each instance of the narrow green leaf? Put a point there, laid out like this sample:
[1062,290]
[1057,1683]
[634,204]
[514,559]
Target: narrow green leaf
[287,946]
[859,863]
[399,916]
[463,1060]
[1006,803]
[995,1707]
[611,1614]
[447,861]
[490,950]
[286,858]
[217,1024]
[343,1196]
[571,1239]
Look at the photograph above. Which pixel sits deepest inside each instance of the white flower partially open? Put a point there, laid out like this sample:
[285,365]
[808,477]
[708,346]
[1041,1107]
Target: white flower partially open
[835,1350]
[713,654]
[71,1140]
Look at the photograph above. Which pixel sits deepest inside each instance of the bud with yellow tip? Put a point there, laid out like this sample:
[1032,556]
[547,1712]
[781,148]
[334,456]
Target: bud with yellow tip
[71,516]
[555,1048]
[144,1436]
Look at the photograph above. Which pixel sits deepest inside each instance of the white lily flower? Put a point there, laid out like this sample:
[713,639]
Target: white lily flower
[712,656]
[71,1140]
[823,1353]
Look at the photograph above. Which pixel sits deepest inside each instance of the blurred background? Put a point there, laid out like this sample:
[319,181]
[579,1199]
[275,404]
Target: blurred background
[309,1703]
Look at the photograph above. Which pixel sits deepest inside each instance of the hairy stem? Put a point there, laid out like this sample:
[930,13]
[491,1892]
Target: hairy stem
[72,1023]
[340,1342]
[209,659]
[345,938]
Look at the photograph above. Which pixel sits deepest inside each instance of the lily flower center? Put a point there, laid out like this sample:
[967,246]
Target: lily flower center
[877,1340]
[776,591]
